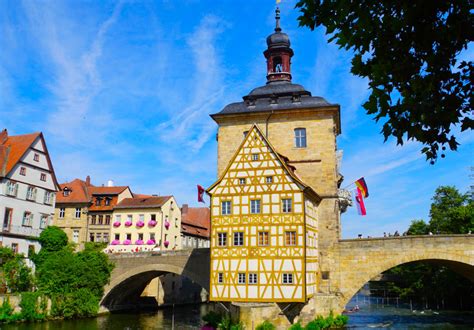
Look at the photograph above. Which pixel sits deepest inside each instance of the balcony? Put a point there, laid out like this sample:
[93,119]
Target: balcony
[22,231]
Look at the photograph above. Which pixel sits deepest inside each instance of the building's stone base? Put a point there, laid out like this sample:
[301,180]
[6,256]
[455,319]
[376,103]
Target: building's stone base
[284,315]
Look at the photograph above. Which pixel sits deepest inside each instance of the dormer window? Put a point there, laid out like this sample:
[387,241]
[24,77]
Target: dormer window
[97,201]
[107,201]
[66,192]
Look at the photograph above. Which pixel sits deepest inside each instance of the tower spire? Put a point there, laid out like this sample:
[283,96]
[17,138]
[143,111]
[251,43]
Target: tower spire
[277,19]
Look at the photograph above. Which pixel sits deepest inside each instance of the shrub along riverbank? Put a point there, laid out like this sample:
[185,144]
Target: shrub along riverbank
[73,282]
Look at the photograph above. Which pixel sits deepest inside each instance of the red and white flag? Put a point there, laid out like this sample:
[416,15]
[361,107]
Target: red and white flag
[200,194]
[360,202]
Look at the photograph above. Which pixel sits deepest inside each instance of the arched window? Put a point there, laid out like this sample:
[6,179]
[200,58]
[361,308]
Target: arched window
[277,64]
[300,137]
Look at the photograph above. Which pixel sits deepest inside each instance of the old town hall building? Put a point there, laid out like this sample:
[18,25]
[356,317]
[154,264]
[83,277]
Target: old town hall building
[274,207]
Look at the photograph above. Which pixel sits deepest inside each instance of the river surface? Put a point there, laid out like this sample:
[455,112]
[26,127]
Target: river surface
[370,316]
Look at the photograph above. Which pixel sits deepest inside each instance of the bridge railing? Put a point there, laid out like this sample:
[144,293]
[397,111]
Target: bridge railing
[406,237]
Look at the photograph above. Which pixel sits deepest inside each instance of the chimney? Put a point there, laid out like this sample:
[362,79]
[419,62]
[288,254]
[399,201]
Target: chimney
[110,183]
[3,136]
[88,181]
[184,209]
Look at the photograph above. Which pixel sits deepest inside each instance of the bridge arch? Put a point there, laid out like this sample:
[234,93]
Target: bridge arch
[132,273]
[374,258]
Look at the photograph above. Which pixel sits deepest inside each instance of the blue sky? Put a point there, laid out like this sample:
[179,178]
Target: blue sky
[123,90]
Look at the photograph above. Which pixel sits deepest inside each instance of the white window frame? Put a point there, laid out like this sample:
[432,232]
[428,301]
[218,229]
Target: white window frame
[43,177]
[241,278]
[12,188]
[44,221]
[220,278]
[242,181]
[255,206]
[222,239]
[287,205]
[48,197]
[239,238]
[27,220]
[226,207]
[287,278]
[31,193]
[262,234]
[253,278]
[255,157]
[77,213]
[292,238]
[300,137]
[75,235]
[269,179]
[62,212]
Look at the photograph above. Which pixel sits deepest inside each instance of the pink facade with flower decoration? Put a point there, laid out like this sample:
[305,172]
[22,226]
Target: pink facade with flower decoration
[146,223]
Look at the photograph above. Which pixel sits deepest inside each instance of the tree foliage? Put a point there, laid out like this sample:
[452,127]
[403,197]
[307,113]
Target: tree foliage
[15,275]
[409,51]
[73,280]
[438,286]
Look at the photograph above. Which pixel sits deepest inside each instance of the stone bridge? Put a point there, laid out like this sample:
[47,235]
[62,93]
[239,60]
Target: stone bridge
[349,264]
[133,272]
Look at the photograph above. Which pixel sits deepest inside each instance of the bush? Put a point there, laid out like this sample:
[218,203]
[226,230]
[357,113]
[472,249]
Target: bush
[265,325]
[30,310]
[213,319]
[17,275]
[296,326]
[6,310]
[329,322]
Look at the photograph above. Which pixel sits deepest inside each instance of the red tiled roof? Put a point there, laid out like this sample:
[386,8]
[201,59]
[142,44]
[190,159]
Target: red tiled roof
[138,202]
[141,196]
[115,190]
[13,148]
[196,221]
[78,192]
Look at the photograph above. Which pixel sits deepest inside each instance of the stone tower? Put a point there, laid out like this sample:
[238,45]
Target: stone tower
[300,126]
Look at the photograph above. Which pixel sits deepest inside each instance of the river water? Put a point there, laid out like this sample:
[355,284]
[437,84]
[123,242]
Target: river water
[370,316]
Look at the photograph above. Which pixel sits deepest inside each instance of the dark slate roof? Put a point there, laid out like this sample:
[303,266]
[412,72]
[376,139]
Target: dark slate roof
[278,95]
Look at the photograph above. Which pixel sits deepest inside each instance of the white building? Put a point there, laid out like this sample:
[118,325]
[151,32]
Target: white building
[27,190]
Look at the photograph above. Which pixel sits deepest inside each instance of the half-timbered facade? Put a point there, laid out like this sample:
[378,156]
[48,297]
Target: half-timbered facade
[263,228]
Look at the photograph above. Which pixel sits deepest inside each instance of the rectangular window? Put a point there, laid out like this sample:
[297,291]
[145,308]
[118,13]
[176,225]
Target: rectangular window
[48,197]
[263,238]
[141,217]
[107,219]
[253,279]
[254,157]
[44,221]
[152,236]
[62,211]
[290,238]
[287,278]
[221,239]
[255,206]
[22,170]
[117,237]
[226,205]
[129,237]
[106,237]
[220,278]
[269,179]
[36,157]
[75,236]
[101,219]
[153,217]
[238,238]
[15,247]
[31,194]
[65,192]
[242,181]
[107,201]
[12,188]
[91,237]
[140,236]
[129,217]
[97,201]
[27,219]
[118,217]
[77,214]
[43,177]
[7,219]
[241,278]
[98,237]
[300,137]
[286,205]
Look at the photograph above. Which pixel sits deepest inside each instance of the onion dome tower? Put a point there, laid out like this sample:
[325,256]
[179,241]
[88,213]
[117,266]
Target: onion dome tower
[278,54]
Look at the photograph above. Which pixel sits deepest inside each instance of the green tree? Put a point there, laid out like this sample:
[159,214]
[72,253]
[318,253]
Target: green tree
[451,212]
[17,274]
[418,227]
[409,51]
[52,239]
